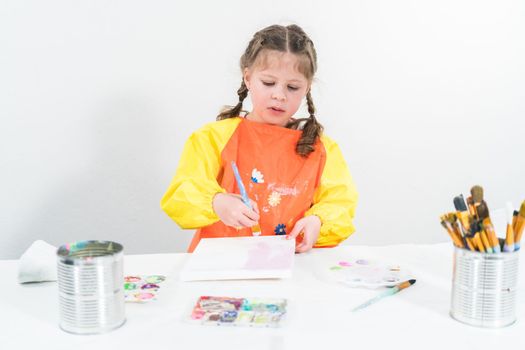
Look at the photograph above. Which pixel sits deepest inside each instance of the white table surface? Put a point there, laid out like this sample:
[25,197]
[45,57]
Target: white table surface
[318,314]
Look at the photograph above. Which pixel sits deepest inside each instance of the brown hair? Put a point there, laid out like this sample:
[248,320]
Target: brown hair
[294,40]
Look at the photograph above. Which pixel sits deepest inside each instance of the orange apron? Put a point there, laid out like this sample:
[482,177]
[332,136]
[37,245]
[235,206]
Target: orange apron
[275,176]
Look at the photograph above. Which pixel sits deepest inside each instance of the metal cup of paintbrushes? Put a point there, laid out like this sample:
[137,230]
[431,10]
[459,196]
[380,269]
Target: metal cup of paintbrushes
[484,288]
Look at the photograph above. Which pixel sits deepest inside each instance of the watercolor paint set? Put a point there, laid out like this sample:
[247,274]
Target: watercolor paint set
[141,289]
[227,311]
[368,273]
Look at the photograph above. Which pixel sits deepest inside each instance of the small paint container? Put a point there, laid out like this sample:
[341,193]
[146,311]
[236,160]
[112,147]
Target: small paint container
[90,286]
[484,288]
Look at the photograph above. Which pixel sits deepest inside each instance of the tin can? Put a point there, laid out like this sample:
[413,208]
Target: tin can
[91,286]
[484,288]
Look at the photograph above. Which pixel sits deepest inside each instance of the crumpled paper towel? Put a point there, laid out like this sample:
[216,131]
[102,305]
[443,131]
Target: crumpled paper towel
[38,263]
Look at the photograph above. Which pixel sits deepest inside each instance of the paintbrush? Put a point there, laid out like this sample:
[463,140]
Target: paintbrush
[471,207]
[483,214]
[519,226]
[458,227]
[451,232]
[256,230]
[508,246]
[452,219]
[462,213]
[459,203]
[240,184]
[477,194]
[388,292]
[477,243]
[484,239]
[476,235]
[476,198]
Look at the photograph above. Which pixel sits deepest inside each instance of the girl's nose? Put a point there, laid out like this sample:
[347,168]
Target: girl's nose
[279,95]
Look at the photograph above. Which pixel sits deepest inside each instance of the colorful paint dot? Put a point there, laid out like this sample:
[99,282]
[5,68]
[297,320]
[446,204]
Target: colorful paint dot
[150,286]
[132,279]
[244,317]
[198,314]
[272,307]
[214,317]
[345,263]
[229,316]
[155,279]
[257,176]
[274,199]
[280,229]
[130,286]
[144,296]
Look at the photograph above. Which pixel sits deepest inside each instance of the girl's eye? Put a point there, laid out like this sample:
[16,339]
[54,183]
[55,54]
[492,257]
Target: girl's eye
[267,83]
[293,88]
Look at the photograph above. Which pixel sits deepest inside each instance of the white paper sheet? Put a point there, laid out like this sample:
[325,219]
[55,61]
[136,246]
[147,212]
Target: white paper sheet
[240,258]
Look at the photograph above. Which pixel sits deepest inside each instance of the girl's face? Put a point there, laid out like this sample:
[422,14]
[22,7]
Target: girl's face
[276,88]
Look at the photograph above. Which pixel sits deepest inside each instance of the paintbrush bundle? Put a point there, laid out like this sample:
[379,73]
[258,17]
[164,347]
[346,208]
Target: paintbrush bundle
[470,226]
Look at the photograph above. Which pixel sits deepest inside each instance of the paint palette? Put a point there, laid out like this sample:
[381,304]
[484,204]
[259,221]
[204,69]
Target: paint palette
[368,273]
[251,312]
[141,289]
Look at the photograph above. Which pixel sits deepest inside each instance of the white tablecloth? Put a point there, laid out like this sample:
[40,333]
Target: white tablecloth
[318,315]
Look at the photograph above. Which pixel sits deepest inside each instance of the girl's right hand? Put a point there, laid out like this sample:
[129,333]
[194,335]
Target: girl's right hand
[233,212]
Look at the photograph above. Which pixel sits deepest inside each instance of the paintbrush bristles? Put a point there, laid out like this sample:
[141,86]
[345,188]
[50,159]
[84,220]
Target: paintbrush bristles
[519,225]
[470,226]
[451,217]
[477,193]
[483,211]
[459,203]
[474,225]
[522,209]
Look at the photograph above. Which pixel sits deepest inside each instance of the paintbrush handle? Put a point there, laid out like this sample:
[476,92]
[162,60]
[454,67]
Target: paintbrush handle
[240,184]
[376,299]
[386,293]
[485,241]
[509,239]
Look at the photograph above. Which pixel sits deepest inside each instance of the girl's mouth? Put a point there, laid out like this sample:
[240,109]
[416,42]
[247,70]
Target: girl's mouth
[277,109]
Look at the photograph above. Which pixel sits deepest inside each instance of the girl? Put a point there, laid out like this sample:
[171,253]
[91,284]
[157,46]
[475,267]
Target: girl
[295,176]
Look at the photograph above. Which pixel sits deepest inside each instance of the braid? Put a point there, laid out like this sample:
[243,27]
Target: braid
[234,111]
[310,104]
[311,131]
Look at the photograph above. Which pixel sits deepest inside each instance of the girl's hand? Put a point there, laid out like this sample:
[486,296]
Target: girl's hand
[233,212]
[310,226]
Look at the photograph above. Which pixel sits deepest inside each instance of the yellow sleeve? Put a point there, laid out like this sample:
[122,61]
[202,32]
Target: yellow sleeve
[188,200]
[335,199]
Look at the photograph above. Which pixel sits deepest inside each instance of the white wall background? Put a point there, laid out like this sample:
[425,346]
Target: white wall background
[426,98]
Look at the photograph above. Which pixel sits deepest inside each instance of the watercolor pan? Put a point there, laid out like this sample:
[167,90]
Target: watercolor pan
[230,311]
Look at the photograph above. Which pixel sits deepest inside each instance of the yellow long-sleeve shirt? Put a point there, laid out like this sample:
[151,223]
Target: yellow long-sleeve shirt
[188,200]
